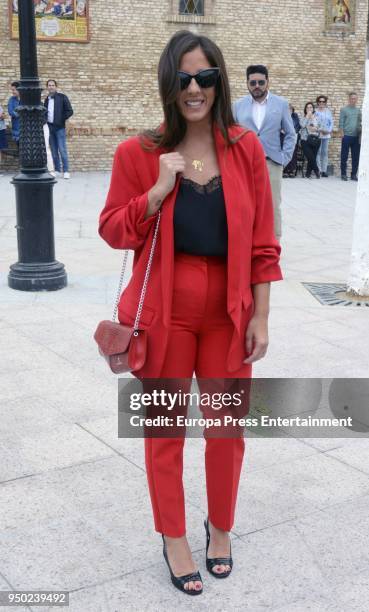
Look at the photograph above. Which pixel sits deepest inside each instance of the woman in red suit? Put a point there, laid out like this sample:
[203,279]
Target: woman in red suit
[207,302]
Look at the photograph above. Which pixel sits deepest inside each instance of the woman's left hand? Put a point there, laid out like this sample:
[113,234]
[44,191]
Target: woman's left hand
[256,338]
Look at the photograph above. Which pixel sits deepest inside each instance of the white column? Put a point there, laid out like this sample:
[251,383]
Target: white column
[358,282]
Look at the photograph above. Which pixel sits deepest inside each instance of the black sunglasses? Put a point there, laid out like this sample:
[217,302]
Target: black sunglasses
[204,78]
[260,83]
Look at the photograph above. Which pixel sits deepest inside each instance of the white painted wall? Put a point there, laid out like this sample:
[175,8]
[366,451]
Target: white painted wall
[358,282]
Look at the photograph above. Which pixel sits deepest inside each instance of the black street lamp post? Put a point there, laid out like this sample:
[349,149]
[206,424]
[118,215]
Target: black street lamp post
[36,269]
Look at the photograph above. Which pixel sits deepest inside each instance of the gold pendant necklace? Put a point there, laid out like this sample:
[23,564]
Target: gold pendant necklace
[198,164]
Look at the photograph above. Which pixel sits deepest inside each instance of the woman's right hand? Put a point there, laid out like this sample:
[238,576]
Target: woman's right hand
[169,165]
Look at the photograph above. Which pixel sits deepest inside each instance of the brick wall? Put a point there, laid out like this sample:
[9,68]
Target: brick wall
[111,81]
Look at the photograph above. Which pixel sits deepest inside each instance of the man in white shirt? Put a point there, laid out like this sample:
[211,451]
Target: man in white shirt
[259,107]
[268,116]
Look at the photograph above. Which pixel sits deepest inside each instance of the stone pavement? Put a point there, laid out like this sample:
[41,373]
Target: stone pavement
[75,513]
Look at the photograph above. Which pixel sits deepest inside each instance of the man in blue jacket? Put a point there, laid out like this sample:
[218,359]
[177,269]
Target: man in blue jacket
[59,109]
[268,116]
[13,103]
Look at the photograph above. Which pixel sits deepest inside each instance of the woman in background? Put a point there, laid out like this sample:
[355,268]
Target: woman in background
[310,140]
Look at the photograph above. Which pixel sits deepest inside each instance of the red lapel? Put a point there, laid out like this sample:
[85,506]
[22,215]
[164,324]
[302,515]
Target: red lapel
[167,252]
[231,190]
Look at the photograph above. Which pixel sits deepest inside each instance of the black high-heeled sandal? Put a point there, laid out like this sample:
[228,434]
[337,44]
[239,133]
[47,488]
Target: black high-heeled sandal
[210,563]
[180,581]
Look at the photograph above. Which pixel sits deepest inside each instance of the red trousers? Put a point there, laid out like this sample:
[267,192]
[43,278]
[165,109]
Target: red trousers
[199,340]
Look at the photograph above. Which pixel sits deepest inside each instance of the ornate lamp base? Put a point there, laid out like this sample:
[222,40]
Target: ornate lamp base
[48,276]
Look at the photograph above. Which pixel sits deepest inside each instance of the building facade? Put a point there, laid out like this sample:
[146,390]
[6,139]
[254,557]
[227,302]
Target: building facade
[310,48]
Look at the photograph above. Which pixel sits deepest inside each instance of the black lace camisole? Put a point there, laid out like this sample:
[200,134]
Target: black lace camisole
[200,221]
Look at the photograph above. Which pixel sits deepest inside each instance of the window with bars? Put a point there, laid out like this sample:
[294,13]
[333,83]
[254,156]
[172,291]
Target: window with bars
[191,7]
[192,11]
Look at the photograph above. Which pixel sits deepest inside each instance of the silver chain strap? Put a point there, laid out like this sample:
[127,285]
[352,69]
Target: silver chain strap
[125,257]
[144,284]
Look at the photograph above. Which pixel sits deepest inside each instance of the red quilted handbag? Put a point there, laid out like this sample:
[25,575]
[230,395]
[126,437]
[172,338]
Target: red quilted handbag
[124,347]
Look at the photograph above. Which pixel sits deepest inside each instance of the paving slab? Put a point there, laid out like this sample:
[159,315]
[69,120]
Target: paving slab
[43,439]
[88,537]
[326,537]
[298,488]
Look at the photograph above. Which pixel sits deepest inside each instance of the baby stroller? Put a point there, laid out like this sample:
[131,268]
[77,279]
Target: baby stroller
[297,163]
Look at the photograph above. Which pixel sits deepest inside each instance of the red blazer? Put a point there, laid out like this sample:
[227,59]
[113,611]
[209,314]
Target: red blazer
[253,251]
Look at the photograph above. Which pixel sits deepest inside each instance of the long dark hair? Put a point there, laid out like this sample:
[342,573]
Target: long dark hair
[174,127]
[307,104]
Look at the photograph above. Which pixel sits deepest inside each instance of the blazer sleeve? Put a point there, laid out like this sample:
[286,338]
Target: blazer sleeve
[121,223]
[266,249]
[67,108]
[12,109]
